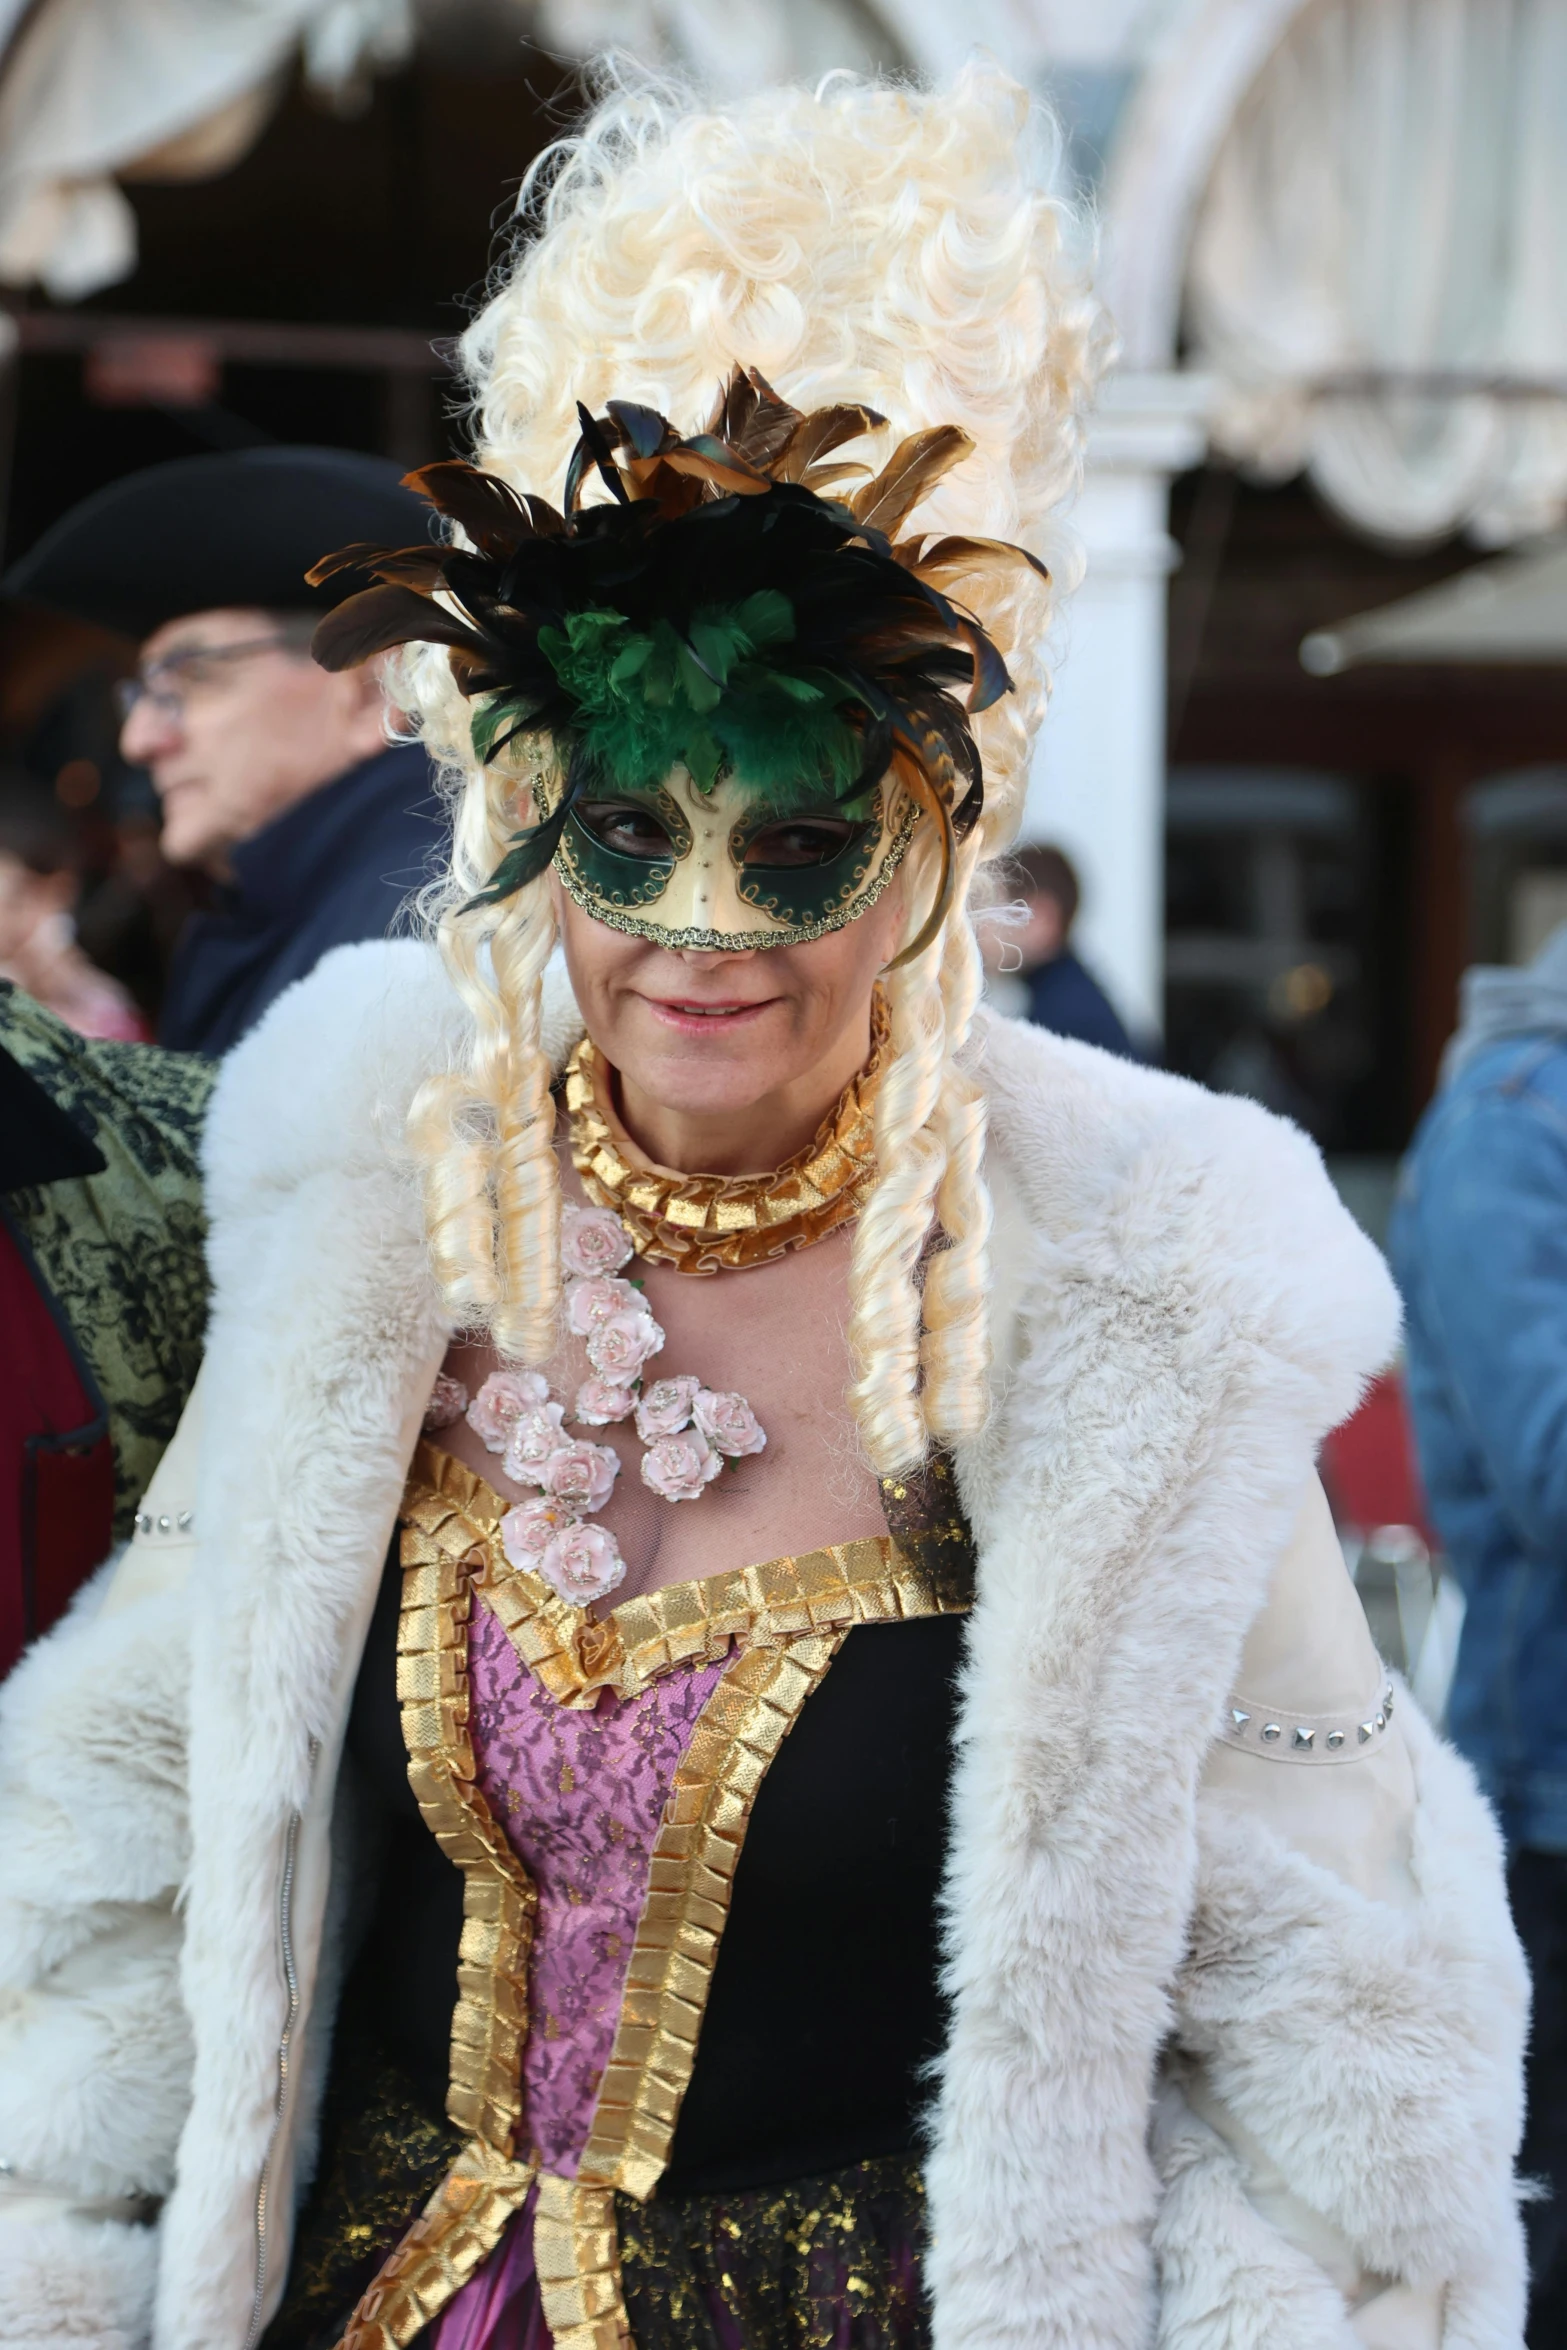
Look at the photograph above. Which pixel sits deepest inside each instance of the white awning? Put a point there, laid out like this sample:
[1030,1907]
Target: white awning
[1378,274]
[1512,610]
[95,92]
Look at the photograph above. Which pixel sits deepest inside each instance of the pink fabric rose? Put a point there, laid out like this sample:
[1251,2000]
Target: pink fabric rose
[599,1401]
[666,1408]
[588,1303]
[580,1475]
[501,1402]
[678,1467]
[535,1438]
[583,1563]
[448,1401]
[728,1423]
[528,1529]
[622,1343]
[592,1240]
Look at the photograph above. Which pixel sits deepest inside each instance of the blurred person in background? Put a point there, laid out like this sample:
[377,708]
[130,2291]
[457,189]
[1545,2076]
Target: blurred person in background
[1052,987]
[40,883]
[1479,1246]
[274,778]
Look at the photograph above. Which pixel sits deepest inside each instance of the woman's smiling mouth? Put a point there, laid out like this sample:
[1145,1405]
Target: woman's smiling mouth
[690,1018]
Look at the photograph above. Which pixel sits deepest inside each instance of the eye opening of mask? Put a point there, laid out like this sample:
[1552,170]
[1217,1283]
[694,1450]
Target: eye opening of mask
[616,845]
[627,828]
[793,843]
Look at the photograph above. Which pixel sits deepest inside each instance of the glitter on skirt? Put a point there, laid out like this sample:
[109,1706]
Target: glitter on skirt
[831,2263]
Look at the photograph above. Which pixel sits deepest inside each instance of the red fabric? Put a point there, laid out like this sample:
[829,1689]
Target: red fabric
[56,1494]
[1370,1468]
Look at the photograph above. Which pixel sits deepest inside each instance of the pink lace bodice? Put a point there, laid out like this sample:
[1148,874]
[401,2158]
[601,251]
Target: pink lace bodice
[580,1796]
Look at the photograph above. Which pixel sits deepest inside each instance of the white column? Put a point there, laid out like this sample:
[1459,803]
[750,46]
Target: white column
[1097,788]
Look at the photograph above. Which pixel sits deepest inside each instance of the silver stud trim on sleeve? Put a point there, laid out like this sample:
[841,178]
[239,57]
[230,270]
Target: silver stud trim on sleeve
[1330,1738]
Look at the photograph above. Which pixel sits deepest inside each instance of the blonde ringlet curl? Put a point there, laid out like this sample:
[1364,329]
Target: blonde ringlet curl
[955,1351]
[860,242]
[483,1133]
[921,1361]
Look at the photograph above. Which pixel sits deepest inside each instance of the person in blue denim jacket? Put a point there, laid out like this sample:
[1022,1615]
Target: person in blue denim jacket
[1479,1246]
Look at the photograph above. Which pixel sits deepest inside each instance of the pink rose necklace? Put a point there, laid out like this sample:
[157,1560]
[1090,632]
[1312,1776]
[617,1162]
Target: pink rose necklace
[688,1431]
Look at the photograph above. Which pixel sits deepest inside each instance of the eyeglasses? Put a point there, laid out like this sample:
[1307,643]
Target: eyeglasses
[168,684]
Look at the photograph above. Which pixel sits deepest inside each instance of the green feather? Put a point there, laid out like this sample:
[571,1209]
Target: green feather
[716,701]
[521,864]
[496,716]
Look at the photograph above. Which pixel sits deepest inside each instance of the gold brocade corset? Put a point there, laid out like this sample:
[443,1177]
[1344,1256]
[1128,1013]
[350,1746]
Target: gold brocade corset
[767,1636]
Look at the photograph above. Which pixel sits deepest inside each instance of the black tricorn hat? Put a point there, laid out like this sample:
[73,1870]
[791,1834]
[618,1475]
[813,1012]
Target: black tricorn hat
[238,529]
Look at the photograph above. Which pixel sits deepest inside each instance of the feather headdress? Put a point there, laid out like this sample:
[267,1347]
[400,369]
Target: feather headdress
[720,608]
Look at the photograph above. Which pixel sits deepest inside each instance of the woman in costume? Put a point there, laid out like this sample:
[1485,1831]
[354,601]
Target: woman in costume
[778,1748]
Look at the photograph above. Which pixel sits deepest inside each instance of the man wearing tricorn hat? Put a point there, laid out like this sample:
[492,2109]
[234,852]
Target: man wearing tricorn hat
[274,777]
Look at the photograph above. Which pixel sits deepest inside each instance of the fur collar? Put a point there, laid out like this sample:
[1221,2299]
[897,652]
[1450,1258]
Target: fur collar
[1182,1309]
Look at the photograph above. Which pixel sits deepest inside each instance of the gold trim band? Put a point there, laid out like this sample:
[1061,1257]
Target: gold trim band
[708,1223]
[745,1721]
[448,2243]
[467,2215]
[500,1901]
[881,1579]
[576,2257]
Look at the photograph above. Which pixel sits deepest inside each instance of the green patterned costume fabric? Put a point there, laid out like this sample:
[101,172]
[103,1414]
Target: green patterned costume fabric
[124,1251]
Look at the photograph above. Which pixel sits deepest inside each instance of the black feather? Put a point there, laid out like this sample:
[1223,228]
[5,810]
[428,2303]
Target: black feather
[709,519]
[643,429]
[593,448]
[529,854]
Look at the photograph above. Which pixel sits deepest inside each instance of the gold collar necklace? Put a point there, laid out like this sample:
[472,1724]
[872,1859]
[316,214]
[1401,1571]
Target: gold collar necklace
[715,1223]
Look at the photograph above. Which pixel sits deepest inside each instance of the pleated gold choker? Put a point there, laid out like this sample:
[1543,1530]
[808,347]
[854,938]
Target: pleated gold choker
[720,1223]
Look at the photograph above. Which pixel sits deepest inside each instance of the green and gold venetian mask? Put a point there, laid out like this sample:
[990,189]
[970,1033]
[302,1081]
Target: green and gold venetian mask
[715,798]
[745,687]
[721,868]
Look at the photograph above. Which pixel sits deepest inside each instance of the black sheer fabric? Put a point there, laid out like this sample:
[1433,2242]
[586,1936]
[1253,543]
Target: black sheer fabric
[405,1981]
[831,2263]
[825,2007]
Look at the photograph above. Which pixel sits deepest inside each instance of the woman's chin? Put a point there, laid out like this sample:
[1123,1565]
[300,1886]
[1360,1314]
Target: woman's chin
[723,1089]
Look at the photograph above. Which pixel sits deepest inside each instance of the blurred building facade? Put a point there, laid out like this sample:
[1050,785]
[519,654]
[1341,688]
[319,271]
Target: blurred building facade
[1328,242]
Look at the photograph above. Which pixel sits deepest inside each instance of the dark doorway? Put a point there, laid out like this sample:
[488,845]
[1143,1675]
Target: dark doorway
[1389,882]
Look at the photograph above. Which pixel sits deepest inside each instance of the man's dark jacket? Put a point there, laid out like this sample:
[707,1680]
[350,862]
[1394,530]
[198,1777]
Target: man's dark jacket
[334,869]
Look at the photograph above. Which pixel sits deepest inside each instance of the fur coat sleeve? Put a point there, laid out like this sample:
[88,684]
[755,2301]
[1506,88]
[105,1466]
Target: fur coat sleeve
[1339,2104]
[95,2043]
[1182,1311]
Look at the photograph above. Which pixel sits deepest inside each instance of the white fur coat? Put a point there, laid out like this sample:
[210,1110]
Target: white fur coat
[1182,1310]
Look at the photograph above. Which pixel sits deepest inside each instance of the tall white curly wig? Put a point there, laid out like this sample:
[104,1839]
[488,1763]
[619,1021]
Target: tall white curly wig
[866,243]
